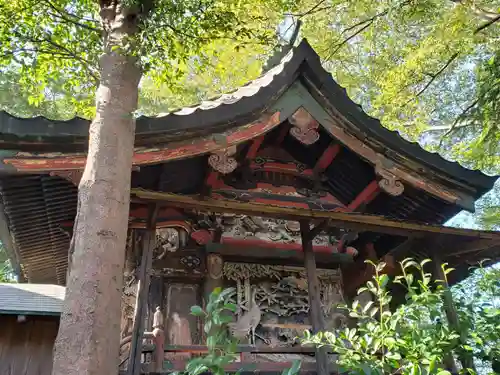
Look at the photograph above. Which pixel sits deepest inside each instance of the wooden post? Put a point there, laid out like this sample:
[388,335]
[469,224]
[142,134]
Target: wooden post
[159,339]
[213,279]
[148,242]
[466,360]
[315,312]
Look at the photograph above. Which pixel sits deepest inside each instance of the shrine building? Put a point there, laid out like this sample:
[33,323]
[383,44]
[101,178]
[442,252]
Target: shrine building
[280,189]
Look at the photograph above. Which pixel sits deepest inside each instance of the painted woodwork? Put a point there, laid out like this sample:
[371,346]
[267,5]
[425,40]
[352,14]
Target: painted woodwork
[305,128]
[347,220]
[368,194]
[327,157]
[223,161]
[174,151]
[389,182]
[341,129]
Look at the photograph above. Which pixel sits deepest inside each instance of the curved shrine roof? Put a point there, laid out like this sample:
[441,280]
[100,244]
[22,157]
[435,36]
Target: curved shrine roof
[246,104]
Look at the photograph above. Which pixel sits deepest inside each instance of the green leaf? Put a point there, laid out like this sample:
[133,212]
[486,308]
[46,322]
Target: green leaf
[197,311]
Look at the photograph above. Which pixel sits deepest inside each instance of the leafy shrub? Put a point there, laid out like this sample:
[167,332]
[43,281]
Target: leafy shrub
[411,340]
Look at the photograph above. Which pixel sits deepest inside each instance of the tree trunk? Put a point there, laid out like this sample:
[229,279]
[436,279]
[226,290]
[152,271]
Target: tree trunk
[89,332]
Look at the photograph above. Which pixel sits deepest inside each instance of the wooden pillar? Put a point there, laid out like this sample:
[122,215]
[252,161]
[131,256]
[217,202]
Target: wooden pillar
[213,278]
[466,360]
[148,242]
[155,299]
[315,311]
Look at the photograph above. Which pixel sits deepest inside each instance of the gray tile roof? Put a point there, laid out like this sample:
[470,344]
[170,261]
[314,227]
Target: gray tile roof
[31,299]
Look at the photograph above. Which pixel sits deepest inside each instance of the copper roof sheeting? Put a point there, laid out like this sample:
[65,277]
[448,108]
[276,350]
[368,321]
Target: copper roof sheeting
[31,299]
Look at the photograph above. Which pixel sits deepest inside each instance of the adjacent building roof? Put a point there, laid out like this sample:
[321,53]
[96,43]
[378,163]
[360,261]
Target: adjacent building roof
[31,299]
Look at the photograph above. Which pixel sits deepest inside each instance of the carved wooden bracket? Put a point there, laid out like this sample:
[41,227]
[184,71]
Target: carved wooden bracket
[73,175]
[222,160]
[305,127]
[389,182]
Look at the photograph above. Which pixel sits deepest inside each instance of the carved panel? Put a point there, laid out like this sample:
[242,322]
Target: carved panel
[282,297]
[275,230]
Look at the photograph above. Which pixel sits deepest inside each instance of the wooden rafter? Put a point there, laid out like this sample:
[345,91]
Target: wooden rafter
[327,157]
[366,196]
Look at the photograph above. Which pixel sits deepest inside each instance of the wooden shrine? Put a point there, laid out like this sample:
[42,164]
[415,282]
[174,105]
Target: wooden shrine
[280,189]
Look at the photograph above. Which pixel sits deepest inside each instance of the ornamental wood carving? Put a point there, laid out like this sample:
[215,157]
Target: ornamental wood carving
[389,182]
[215,265]
[223,161]
[305,128]
[282,297]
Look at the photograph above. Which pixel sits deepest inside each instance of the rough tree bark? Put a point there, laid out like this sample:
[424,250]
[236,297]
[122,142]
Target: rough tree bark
[88,338]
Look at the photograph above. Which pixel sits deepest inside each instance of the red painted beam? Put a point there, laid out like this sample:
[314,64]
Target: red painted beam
[254,147]
[255,242]
[327,157]
[366,196]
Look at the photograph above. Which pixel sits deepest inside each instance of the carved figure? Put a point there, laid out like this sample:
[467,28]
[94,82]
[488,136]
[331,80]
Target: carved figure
[248,322]
[169,240]
[215,265]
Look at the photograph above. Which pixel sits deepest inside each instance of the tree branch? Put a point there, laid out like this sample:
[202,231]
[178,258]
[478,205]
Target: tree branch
[65,16]
[483,13]
[487,24]
[366,22]
[58,48]
[434,76]
[312,10]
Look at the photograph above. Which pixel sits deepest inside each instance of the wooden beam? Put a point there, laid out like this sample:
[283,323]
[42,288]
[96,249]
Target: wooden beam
[283,257]
[254,147]
[470,247]
[356,221]
[327,157]
[315,311]
[366,196]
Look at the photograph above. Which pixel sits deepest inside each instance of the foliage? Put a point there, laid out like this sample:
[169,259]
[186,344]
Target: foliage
[417,65]
[410,340]
[53,46]
[6,273]
[221,344]
[478,304]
